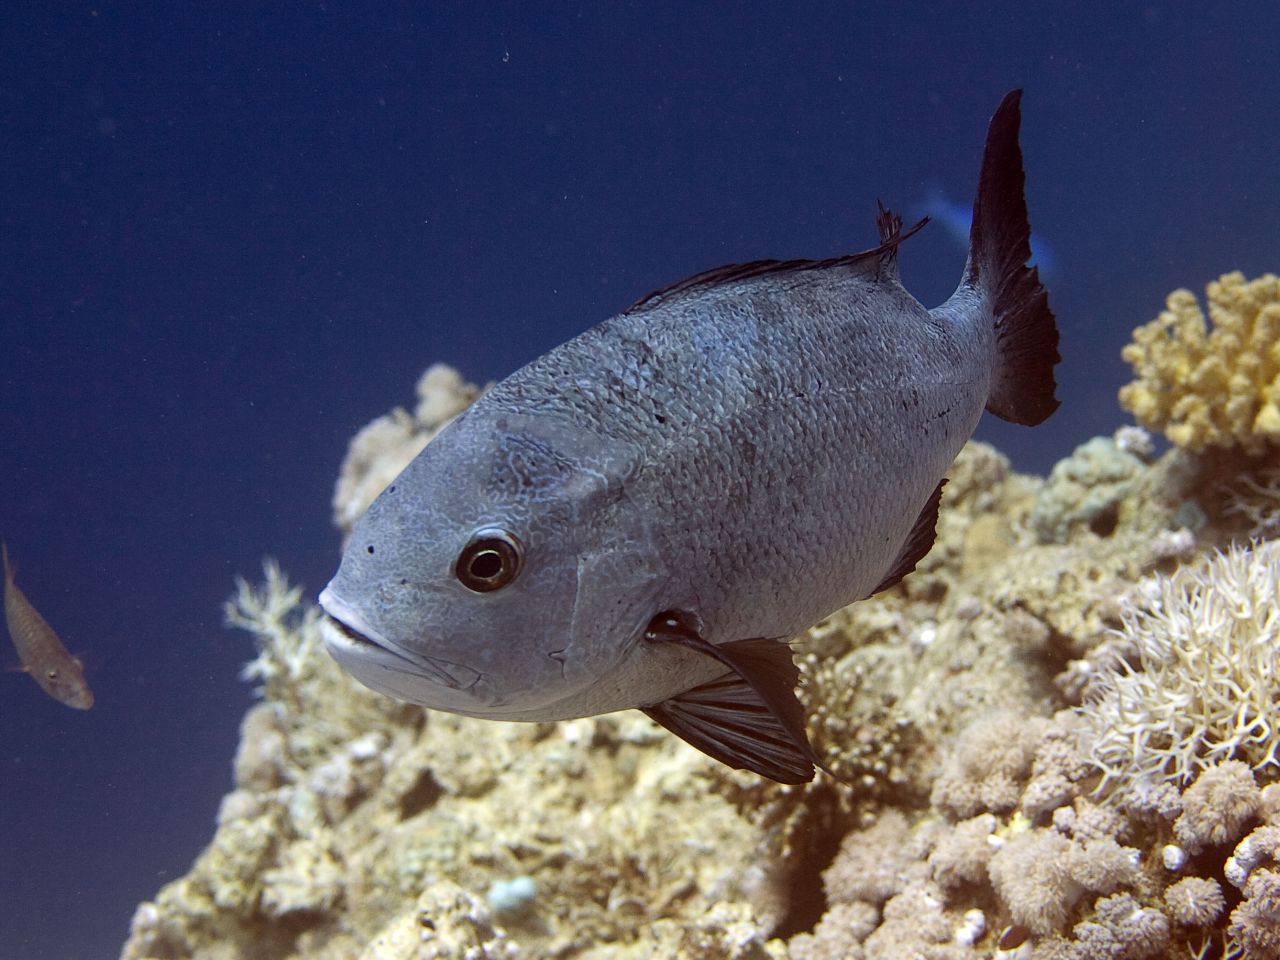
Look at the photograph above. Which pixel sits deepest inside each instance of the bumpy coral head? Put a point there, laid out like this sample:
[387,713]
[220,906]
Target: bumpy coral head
[499,575]
[1211,387]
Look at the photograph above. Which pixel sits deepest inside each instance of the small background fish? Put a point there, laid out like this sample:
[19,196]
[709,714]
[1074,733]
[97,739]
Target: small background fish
[42,654]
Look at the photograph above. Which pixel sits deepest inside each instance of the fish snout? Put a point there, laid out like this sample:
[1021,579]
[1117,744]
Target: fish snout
[80,699]
[370,657]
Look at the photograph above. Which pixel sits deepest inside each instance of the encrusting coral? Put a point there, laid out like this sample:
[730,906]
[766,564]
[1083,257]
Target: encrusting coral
[1089,487]
[1216,387]
[971,712]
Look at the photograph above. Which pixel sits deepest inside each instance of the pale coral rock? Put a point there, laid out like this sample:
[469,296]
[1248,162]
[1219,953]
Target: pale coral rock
[348,776]
[728,931]
[1173,857]
[375,457]
[1216,387]
[1086,491]
[382,449]
[442,395]
[307,879]
[446,923]
[261,759]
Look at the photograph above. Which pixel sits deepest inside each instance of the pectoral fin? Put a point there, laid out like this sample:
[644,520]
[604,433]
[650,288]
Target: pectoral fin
[748,719]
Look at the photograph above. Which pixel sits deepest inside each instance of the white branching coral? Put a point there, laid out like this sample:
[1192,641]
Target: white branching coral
[1204,684]
[287,639]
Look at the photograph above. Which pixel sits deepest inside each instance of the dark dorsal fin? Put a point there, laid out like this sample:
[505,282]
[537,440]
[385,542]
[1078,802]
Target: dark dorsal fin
[918,543]
[883,255]
[890,226]
[749,718]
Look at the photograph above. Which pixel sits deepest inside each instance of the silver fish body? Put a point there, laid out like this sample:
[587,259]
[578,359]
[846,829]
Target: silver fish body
[627,519]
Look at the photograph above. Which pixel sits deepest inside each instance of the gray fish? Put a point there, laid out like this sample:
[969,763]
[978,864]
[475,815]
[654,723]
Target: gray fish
[41,652]
[644,516]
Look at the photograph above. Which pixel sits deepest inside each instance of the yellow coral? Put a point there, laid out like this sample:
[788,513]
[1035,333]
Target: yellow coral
[1211,388]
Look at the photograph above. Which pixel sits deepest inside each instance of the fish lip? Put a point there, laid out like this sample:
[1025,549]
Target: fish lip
[349,635]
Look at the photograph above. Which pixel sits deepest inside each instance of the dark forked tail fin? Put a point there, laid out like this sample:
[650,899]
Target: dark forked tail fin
[1022,390]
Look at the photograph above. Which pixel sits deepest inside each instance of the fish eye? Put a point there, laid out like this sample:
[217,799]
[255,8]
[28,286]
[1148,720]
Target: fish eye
[489,561]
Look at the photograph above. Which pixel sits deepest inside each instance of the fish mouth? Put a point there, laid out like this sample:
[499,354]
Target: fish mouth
[362,651]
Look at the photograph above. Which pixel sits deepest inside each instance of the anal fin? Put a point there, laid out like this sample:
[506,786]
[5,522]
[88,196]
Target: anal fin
[918,543]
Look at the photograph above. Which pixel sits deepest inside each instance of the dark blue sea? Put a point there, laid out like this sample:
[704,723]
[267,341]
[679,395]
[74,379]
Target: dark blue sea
[234,233]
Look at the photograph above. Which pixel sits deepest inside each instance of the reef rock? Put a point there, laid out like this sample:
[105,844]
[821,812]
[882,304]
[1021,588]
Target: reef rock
[963,710]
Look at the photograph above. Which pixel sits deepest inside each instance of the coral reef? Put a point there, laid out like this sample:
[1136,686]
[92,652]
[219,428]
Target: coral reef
[1211,388]
[1089,487]
[351,811]
[1195,901]
[1065,889]
[1254,496]
[384,447]
[1027,765]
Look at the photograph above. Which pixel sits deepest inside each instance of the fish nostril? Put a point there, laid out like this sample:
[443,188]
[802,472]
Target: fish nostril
[561,657]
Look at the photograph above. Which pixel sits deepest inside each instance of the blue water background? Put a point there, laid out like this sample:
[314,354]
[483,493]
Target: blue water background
[231,237]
